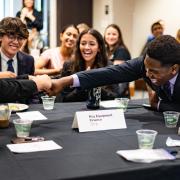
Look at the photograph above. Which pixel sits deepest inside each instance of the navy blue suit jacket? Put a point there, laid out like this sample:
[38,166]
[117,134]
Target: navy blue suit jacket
[25,64]
[129,71]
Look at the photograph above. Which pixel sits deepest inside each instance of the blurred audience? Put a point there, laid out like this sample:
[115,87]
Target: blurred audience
[34,21]
[30,16]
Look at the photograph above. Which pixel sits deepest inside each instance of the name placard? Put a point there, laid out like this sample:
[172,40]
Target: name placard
[99,120]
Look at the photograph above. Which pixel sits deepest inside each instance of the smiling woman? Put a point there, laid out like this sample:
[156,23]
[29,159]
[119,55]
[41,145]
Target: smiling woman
[51,61]
[90,53]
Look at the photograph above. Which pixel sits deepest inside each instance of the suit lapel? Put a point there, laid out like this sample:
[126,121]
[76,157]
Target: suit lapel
[176,87]
[175,94]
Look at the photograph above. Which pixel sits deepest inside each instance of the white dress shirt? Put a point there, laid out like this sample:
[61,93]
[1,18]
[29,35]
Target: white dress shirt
[4,65]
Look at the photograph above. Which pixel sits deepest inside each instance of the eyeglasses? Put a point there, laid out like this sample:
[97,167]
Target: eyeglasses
[13,37]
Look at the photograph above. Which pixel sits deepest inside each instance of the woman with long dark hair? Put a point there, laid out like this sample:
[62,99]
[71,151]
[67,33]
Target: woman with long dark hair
[90,53]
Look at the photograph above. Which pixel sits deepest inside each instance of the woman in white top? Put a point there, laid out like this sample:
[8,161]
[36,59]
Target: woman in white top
[51,61]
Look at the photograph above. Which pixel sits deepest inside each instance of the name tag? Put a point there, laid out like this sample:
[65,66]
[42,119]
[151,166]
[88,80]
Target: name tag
[99,120]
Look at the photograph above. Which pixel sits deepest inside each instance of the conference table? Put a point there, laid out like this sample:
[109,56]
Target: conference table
[87,155]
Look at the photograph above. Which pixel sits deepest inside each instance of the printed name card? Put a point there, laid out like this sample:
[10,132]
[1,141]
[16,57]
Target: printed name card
[99,120]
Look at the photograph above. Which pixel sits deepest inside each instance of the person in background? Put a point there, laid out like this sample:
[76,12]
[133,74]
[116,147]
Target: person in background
[178,35]
[117,52]
[24,48]
[151,36]
[30,16]
[157,30]
[13,62]
[82,26]
[51,61]
[90,54]
[34,21]
[35,41]
[13,90]
[34,45]
[160,69]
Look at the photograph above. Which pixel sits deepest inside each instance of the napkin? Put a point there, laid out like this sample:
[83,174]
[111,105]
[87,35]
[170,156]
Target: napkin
[31,115]
[33,146]
[171,142]
[140,155]
[109,104]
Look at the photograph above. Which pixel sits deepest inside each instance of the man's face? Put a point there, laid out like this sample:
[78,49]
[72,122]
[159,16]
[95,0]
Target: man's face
[157,73]
[11,44]
[157,30]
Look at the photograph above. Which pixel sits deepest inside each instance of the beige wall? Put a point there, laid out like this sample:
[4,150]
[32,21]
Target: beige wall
[123,16]
[135,18]
[120,12]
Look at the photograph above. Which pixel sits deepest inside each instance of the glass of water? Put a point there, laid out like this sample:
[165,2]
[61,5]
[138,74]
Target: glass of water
[48,102]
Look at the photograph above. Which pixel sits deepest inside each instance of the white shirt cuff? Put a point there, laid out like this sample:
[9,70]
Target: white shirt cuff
[76,82]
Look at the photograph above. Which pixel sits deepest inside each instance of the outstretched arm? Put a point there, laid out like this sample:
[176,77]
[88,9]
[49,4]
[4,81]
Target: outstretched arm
[12,90]
[59,84]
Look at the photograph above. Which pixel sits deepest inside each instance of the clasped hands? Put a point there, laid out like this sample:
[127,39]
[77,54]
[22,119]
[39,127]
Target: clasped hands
[45,83]
[25,13]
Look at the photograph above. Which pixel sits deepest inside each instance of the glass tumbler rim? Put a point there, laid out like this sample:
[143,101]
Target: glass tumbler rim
[148,131]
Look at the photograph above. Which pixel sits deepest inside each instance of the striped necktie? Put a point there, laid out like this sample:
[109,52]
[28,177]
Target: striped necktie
[10,66]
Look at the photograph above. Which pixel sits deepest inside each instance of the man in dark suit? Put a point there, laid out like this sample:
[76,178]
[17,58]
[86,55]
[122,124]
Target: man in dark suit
[13,62]
[12,90]
[159,68]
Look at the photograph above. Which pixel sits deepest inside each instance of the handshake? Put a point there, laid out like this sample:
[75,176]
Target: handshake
[51,86]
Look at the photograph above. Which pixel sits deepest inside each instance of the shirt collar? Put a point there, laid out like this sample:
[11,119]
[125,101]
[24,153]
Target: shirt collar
[6,58]
[173,80]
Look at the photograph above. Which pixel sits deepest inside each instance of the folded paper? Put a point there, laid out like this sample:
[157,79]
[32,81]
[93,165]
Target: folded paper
[99,120]
[33,146]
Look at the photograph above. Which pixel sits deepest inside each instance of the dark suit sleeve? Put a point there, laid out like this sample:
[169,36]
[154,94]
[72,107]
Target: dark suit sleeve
[126,72]
[12,90]
[25,65]
[169,106]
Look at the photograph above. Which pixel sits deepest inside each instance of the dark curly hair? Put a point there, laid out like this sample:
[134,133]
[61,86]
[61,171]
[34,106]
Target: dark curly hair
[13,25]
[165,49]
